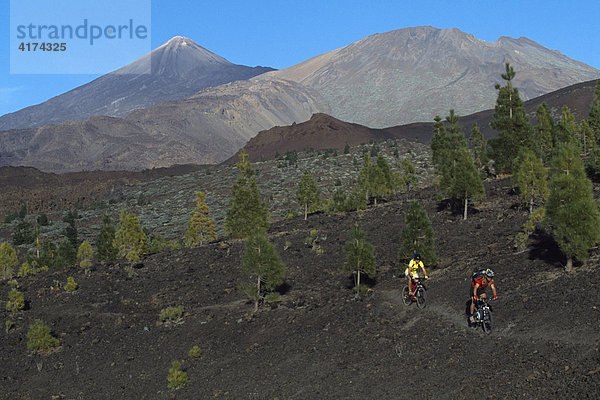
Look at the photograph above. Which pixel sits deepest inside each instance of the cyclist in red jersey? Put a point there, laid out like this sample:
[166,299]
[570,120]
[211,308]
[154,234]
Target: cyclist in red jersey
[479,282]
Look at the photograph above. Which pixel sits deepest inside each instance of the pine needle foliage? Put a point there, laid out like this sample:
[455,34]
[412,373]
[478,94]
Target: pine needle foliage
[130,239]
[85,255]
[106,249]
[247,212]
[571,208]
[417,236]
[262,263]
[8,260]
[511,120]
[360,258]
[308,194]
[201,228]
[531,179]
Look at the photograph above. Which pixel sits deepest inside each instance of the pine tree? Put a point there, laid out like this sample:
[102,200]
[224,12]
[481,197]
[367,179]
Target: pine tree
[201,227]
[105,242]
[71,230]
[359,257]
[571,208]
[511,120]
[567,130]
[544,132]
[8,259]
[460,180]
[85,255]
[594,115]
[66,255]
[247,212]
[261,262]
[408,177]
[308,194]
[416,236]
[130,239]
[438,141]
[366,177]
[23,233]
[531,179]
[478,150]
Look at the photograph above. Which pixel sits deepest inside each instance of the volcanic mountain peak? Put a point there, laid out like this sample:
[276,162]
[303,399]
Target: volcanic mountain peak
[176,57]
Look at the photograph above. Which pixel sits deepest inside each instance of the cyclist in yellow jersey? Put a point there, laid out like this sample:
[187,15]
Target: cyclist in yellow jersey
[412,271]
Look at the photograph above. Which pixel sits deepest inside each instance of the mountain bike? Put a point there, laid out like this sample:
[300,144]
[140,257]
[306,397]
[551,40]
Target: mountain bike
[483,315]
[418,295]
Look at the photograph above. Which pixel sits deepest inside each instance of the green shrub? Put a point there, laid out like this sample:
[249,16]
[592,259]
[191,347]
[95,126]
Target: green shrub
[177,378]
[16,301]
[195,352]
[71,286]
[171,315]
[39,337]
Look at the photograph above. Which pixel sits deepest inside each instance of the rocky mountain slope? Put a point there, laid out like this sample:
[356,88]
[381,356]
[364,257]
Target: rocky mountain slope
[412,74]
[207,127]
[172,71]
[323,131]
[320,342]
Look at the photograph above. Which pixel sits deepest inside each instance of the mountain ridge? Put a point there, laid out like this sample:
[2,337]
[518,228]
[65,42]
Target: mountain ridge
[172,71]
[412,74]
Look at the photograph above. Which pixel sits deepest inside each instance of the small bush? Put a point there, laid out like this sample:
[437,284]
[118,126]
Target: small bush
[16,301]
[40,338]
[177,378]
[171,315]
[71,286]
[195,352]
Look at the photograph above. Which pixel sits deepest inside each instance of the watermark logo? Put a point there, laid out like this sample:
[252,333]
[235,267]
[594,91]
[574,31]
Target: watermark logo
[79,36]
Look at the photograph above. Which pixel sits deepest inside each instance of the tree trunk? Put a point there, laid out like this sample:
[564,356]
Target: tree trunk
[531,206]
[466,207]
[305,211]
[257,295]
[569,265]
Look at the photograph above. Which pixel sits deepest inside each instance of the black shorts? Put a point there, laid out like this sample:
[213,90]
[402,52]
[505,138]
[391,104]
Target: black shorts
[480,291]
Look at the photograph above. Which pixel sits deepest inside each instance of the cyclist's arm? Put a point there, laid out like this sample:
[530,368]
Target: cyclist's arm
[424,271]
[475,290]
[493,289]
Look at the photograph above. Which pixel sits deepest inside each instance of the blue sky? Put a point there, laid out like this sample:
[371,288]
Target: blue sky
[282,33]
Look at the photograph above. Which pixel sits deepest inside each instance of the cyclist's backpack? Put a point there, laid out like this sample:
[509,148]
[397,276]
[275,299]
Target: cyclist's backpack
[477,275]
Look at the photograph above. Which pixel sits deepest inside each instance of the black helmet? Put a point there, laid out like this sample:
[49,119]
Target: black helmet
[489,273]
[417,256]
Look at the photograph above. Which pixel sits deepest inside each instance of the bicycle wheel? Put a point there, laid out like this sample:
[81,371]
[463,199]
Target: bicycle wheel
[487,323]
[420,295]
[406,299]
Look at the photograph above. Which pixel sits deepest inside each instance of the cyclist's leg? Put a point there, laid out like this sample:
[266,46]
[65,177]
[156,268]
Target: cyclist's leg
[472,308]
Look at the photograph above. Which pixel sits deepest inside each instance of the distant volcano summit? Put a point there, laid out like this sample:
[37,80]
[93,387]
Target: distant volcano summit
[177,69]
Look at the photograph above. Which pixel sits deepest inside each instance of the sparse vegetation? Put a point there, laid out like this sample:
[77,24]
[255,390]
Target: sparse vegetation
[85,255]
[360,258]
[8,259]
[262,263]
[130,239]
[195,352]
[71,285]
[177,378]
[16,301]
[39,338]
[201,228]
[171,315]
[247,211]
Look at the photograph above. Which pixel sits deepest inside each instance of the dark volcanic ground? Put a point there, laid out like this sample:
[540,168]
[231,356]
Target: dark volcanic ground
[319,342]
